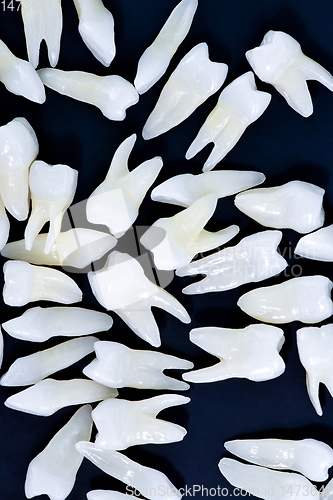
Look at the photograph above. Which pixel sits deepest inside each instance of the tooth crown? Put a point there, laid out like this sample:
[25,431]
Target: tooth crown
[317,245]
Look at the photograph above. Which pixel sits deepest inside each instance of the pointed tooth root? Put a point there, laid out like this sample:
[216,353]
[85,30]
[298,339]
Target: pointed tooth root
[166,301]
[142,322]
[317,245]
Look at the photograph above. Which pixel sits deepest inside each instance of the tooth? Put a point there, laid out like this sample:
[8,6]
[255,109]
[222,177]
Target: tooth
[48,396]
[156,58]
[42,23]
[296,205]
[132,298]
[239,105]
[34,368]
[116,201]
[52,191]
[310,457]
[254,259]
[26,283]
[4,225]
[119,366]
[53,471]
[194,80]
[280,61]
[18,149]
[317,245]
[306,299]
[185,236]
[326,493]
[112,94]
[149,482]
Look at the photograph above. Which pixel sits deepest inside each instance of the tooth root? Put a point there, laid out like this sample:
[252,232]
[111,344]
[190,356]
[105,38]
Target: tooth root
[4,225]
[314,71]
[317,245]
[166,301]
[294,89]
[143,323]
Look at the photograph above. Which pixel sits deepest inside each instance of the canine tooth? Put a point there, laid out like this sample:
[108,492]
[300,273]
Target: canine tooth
[4,225]
[156,58]
[53,471]
[116,201]
[280,61]
[296,205]
[194,80]
[305,299]
[119,366]
[239,105]
[317,245]
[27,283]
[112,94]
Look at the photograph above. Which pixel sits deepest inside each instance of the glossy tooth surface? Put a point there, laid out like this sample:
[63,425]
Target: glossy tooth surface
[48,396]
[53,471]
[310,457]
[38,324]
[254,259]
[121,286]
[4,225]
[239,105]
[317,245]
[296,205]
[306,299]
[116,201]
[119,366]
[27,283]
[149,482]
[280,61]
[112,94]
[194,80]
[156,58]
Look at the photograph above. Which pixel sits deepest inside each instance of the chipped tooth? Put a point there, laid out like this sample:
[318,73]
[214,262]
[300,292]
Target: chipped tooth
[116,201]
[156,58]
[112,94]
[119,366]
[194,80]
[317,245]
[53,471]
[296,205]
[306,299]
[4,225]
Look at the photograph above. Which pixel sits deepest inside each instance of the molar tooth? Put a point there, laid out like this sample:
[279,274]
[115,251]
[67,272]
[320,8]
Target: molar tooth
[194,80]
[4,225]
[317,245]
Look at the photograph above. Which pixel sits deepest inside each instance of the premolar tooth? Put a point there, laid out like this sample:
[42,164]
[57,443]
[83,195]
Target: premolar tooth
[4,225]
[296,205]
[317,245]
[305,299]
[194,80]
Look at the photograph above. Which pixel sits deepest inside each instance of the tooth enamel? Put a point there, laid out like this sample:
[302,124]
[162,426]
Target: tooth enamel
[310,457]
[254,259]
[194,80]
[239,105]
[4,225]
[280,61]
[119,366]
[112,94]
[121,286]
[305,299]
[48,396]
[53,471]
[156,58]
[317,245]
[26,283]
[149,482]
[296,205]
[116,201]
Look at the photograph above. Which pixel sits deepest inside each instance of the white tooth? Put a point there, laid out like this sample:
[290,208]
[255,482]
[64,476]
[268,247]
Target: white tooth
[96,28]
[48,396]
[326,493]
[194,80]
[149,482]
[119,366]
[116,201]
[112,94]
[156,58]
[19,76]
[309,457]
[106,495]
[254,259]
[280,61]
[26,283]
[53,471]
[4,225]
[317,245]
[42,23]
[296,205]
[306,299]
[34,368]
[239,105]
[185,236]
[18,149]
[52,191]
[121,286]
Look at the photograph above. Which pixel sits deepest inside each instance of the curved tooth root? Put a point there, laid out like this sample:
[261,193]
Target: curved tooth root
[317,245]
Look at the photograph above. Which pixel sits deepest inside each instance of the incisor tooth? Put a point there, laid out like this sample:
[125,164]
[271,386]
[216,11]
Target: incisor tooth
[317,245]
[4,225]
